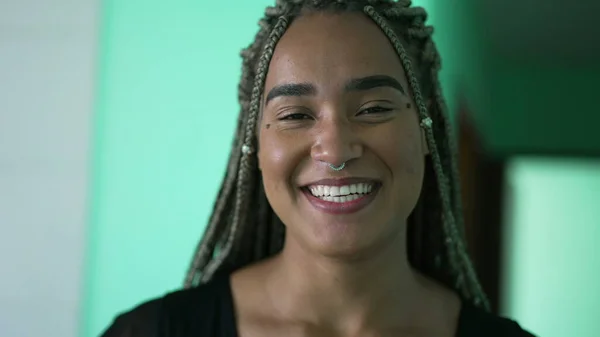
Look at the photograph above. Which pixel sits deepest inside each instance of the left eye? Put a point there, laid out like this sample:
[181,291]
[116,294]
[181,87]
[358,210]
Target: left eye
[374,110]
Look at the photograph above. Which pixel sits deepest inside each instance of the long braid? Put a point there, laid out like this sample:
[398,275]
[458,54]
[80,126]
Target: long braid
[209,246]
[253,231]
[241,209]
[206,246]
[457,234]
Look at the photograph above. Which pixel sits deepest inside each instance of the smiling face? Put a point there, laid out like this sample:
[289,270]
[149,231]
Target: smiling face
[336,92]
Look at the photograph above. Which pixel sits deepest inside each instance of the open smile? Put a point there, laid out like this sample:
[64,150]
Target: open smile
[340,197]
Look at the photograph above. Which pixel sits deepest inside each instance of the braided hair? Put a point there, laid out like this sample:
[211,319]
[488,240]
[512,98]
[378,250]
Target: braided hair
[243,227]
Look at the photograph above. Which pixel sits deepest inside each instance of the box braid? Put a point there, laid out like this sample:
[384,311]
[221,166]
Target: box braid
[243,227]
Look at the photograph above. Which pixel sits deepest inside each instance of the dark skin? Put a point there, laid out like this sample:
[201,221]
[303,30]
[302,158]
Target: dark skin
[340,275]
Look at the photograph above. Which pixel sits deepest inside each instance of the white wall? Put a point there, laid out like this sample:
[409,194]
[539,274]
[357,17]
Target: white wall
[47,51]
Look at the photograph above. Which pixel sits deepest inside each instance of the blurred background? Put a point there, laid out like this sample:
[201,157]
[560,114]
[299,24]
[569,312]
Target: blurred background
[116,120]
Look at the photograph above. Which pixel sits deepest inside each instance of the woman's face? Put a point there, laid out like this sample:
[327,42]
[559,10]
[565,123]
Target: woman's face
[336,92]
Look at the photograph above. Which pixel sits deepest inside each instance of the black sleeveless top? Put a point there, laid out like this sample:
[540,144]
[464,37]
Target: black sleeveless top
[208,311]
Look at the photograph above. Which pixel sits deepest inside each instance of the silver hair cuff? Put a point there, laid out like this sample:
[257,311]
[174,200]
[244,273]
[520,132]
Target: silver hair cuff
[426,122]
[246,149]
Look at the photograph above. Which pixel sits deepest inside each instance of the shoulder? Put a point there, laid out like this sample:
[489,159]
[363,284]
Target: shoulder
[140,321]
[475,322]
[197,311]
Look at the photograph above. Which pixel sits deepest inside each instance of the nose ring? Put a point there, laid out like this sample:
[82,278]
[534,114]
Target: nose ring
[337,168]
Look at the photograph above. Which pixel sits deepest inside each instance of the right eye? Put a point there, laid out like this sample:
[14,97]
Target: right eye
[295,117]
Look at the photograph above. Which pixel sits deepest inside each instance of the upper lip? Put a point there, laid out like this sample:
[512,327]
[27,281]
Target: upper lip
[342,181]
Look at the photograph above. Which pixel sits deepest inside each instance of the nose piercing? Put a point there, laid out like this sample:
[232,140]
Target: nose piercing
[337,168]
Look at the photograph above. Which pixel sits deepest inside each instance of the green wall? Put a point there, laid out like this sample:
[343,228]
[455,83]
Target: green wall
[165,113]
[552,256]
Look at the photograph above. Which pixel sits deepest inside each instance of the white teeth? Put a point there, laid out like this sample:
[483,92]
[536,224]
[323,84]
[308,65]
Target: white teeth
[334,191]
[341,193]
[361,188]
[341,199]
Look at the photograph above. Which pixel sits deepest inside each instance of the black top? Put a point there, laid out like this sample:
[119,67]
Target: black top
[208,311]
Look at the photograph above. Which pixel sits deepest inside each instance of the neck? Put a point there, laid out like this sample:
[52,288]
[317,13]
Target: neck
[338,290]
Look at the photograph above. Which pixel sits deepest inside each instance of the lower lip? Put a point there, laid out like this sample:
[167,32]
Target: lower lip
[347,207]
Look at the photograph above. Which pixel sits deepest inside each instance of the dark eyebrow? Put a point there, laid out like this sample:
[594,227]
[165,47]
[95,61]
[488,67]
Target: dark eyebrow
[293,89]
[356,84]
[372,82]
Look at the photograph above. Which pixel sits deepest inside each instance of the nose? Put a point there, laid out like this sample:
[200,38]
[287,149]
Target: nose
[336,143]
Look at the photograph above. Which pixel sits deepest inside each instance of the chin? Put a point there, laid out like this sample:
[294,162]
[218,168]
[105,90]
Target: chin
[346,242]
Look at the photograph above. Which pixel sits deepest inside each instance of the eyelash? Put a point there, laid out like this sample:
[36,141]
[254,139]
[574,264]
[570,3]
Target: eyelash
[378,109]
[291,116]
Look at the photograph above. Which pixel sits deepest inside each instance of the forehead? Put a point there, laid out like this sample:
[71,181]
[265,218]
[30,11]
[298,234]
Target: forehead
[328,49]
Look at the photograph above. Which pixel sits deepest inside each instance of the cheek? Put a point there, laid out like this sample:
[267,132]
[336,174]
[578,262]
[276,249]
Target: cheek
[278,160]
[401,149]
[403,155]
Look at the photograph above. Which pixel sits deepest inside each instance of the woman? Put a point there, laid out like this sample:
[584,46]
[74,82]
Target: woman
[340,213]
